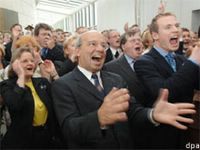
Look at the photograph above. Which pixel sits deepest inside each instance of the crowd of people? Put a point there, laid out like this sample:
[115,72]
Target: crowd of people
[100,89]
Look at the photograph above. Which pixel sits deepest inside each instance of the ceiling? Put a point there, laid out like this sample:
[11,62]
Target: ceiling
[64,7]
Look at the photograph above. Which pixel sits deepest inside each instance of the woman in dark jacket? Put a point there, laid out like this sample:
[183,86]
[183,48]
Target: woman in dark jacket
[29,103]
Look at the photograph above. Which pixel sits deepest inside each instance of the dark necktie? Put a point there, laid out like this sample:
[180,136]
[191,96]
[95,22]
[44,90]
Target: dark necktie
[171,61]
[116,54]
[44,52]
[97,84]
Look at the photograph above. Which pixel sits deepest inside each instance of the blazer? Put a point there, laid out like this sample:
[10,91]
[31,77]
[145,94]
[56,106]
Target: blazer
[121,67]
[109,55]
[154,73]
[56,53]
[20,104]
[76,102]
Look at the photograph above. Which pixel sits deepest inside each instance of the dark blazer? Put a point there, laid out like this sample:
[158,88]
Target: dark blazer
[54,54]
[121,67]
[21,108]
[63,67]
[154,73]
[109,55]
[76,103]
[8,53]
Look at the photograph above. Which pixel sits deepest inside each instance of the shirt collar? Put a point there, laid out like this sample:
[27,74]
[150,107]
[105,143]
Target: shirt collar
[87,73]
[162,51]
[113,50]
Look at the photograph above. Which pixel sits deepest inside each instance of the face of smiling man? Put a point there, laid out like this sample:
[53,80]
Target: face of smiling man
[168,33]
[91,53]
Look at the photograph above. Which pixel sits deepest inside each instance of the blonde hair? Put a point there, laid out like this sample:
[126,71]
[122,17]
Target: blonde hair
[16,55]
[25,40]
[68,41]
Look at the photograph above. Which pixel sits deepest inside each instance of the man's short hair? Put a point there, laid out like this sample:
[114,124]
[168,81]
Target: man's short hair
[40,26]
[154,24]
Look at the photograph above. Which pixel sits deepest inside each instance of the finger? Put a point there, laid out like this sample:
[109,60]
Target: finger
[163,94]
[122,116]
[119,92]
[186,111]
[184,119]
[122,107]
[121,99]
[184,105]
[179,125]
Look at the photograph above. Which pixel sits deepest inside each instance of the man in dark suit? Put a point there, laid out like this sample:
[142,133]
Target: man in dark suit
[92,105]
[161,68]
[51,51]
[131,45]
[113,51]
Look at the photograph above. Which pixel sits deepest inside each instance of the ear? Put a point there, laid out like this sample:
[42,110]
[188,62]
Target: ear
[78,51]
[155,35]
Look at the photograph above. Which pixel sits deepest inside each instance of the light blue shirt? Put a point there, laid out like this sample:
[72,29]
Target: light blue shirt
[130,61]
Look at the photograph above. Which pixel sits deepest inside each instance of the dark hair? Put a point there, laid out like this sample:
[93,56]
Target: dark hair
[199,32]
[154,24]
[14,25]
[17,54]
[125,36]
[40,26]
[185,30]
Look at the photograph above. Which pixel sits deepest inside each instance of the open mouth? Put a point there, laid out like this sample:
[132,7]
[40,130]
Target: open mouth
[174,41]
[96,58]
[137,48]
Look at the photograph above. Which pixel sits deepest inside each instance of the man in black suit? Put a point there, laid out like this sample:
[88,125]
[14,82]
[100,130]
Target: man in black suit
[113,51]
[92,106]
[131,44]
[161,68]
[49,49]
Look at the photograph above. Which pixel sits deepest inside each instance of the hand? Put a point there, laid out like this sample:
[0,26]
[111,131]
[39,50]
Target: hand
[171,113]
[114,107]
[18,68]
[195,52]
[20,72]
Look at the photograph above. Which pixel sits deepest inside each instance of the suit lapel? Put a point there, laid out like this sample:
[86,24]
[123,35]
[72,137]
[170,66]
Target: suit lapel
[85,84]
[40,88]
[161,61]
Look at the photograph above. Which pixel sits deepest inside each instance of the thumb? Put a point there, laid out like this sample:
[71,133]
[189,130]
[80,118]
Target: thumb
[163,95]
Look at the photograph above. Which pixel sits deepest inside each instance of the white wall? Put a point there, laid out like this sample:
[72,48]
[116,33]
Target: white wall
[25,9]
[114,13]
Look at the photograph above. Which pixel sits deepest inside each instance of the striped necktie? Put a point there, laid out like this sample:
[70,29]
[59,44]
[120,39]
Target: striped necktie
[171,61]
[97,84]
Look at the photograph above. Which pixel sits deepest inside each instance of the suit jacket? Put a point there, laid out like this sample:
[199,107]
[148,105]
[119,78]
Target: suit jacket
[63,67]
[76,103]
[121,67]
[8,53]
[21,108]
[109,55]
[54,54]
[155,73]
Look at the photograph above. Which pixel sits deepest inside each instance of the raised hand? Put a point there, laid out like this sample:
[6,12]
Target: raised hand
[114,107]
[17,68]
[171,113]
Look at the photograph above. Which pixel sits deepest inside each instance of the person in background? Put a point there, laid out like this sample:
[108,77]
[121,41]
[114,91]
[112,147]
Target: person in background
[16,31]
[113,51]
[49,49]
[70,53]
[28,99]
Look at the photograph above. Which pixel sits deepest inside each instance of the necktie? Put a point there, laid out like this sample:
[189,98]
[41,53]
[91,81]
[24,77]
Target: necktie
[116,54]
[44,52]
[171,61]
[97,84]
